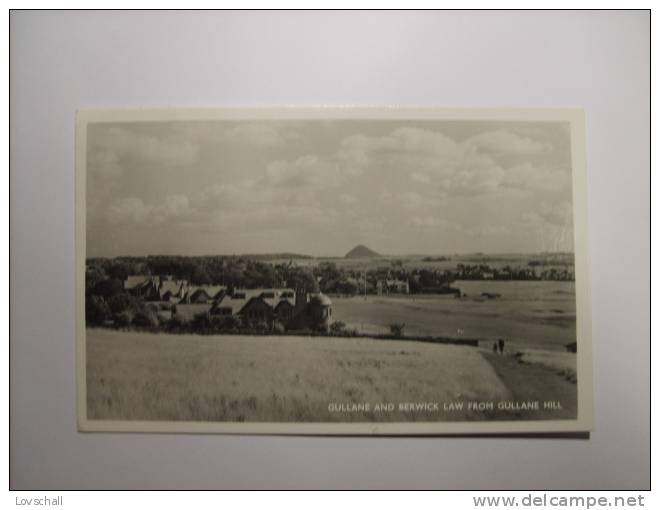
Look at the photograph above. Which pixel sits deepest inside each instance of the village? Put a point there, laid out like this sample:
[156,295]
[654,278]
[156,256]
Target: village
[218,294]
[288,308]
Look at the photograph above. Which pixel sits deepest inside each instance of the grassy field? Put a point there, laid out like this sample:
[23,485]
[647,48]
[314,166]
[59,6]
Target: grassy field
[143,376]
[186,377]
[528,314]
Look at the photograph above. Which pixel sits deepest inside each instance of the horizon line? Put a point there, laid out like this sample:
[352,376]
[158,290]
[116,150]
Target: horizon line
[325,256]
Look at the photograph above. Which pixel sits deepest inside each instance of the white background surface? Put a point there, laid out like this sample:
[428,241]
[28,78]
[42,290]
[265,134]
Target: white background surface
[64,61]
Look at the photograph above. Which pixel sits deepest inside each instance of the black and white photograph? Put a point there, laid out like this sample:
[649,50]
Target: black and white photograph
[392,271]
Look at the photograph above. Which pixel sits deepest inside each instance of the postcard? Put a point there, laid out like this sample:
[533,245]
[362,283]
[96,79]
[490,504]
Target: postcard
[375,271]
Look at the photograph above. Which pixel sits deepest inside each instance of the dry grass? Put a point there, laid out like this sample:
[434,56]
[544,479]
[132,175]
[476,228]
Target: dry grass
[141,376]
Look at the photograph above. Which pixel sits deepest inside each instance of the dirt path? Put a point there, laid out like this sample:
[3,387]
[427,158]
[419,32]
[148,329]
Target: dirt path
[535,382]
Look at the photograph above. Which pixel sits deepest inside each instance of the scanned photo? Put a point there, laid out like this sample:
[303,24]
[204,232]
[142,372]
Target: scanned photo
[337,270]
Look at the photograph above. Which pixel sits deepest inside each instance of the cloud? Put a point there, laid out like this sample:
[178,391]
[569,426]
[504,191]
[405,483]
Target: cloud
[126,210]
[420,178]
[530,177]
[547,213]
[260,134]
[347,199]
[134,211]
[480,177]
[309,170]
[470,167]
[118,144]
[411,200]
[429,223]
[506,142]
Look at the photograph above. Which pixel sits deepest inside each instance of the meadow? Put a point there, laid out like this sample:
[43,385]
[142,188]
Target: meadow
[528,314]
[146,376]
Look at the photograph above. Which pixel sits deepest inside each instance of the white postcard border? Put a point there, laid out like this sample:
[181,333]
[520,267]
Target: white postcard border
[584,420]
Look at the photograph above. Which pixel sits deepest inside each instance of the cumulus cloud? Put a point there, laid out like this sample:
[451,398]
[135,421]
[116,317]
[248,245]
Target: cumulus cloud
[127,210]
[410,199]
[260,134]
[420,178]
[429,223]
[347,199]
[134,211]
[506,142]
[474,166]
[526,176]
[241,179]
[308,170]
[547,213]
[122,144]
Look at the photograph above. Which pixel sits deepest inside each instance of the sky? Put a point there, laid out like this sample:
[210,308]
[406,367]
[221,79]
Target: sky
[320,187]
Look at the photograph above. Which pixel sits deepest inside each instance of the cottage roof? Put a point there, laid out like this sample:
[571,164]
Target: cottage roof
[256,299]
[134,281]
[285,301]
[235,305]
[171,286]
[214,290]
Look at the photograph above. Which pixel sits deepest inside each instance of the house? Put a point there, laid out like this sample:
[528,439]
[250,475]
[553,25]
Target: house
[197,295]
[229,305]
[172,290]
[284,310]
[293,310]
[257,311]
[392,287]
[144,286]
[204,294]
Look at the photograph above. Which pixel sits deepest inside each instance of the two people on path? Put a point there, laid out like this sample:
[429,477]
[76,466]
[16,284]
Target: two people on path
[498,346]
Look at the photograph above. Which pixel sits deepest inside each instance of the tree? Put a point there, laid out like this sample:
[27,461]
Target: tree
[347,287]
[93,276]
[120,302]
[146,318]
[199,276]
[303,279]
[108,288]
[97,310]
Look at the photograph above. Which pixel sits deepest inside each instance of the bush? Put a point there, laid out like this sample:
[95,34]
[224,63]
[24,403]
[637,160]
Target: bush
[97,310]
[124,319]
[200,323]
[278,328]
[225,322]
[120,302]
[261,327]
[145,318]
[175,324]
[337,328]
[108,288]
[396,328]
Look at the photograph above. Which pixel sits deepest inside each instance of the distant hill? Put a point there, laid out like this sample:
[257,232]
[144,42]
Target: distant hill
[361,251]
